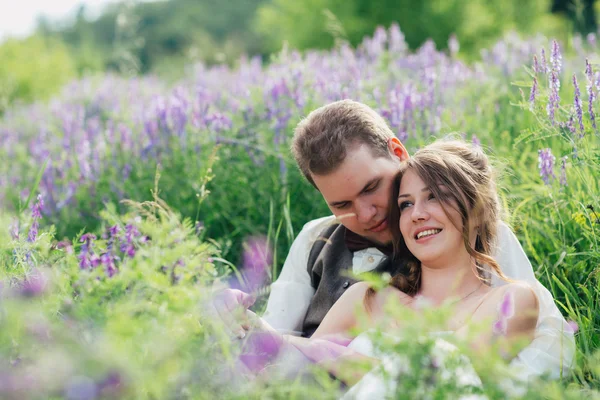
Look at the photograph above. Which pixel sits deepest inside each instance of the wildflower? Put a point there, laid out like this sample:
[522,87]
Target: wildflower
[506,310]
[546,165]
[553,96]
[66,245]
[536,65]
[36,213]
[555,57]
[563,171]
[397,44]
[533,93]
[34,285]
[260,349]
[131,232]
[573,326]
[578,108]
[544,66]
[257,258]
[87,258]
[590,90]
[476,142]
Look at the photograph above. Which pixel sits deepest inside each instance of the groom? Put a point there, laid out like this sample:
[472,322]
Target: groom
[347,152]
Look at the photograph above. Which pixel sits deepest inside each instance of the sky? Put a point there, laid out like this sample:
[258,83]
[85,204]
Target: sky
[18,17]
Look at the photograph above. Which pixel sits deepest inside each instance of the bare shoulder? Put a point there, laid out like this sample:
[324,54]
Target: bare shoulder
[521,294]
[513,298]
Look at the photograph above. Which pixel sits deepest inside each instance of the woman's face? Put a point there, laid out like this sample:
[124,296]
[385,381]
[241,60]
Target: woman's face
[432,237]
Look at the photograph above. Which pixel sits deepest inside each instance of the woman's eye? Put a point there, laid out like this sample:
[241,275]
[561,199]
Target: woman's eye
[404,204]
[431,196]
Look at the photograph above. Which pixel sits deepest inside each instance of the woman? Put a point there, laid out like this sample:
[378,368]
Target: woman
[446,207]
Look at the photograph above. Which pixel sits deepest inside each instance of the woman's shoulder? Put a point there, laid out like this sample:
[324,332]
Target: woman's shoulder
[510,299]
[519,292]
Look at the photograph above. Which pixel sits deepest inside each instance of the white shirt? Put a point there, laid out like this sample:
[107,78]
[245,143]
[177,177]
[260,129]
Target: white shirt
[551,350]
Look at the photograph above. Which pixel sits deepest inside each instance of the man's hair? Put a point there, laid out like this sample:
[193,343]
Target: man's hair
[322,139]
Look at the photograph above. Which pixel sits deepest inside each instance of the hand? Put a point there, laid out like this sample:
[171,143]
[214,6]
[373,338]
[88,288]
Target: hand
[230,305]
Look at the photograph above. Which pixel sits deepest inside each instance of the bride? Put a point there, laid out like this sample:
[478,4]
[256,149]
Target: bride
[445,203]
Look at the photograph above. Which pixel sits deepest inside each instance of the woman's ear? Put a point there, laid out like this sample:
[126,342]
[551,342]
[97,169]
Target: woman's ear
[397,149]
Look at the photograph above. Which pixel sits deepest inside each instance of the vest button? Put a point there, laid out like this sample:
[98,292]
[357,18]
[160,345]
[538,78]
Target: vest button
[346,284]
[371,259]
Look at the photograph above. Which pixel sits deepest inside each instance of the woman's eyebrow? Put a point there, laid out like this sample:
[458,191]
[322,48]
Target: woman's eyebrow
[425,189]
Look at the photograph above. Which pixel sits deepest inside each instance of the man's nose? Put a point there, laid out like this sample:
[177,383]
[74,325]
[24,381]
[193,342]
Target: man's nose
[365,211]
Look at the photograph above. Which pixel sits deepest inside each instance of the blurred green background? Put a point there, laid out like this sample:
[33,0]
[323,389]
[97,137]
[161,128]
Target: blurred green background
[163,37]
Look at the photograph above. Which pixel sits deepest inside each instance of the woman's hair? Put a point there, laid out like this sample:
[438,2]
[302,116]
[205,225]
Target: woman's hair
[469,183]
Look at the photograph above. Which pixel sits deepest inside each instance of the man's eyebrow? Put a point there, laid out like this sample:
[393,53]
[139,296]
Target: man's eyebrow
[364,189]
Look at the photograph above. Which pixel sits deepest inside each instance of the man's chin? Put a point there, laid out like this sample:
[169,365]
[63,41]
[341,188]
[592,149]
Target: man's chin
[382,238]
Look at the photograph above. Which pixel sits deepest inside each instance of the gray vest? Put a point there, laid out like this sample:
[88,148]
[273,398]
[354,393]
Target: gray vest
[330,269]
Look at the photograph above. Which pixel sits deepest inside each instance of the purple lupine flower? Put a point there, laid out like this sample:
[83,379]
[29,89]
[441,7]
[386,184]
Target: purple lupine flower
[553,95]
[108,259]
[111,384]
[476,142]
[397,44]
[128,247]
[555,57]
[257,259]
[563,171]
[544,66]
[260,348]
[573,326]
[86,254]
[590,90]
[536,65]
[546,165]
[36,213]
[533,93]
[578,106]
[34,285]
[506,310]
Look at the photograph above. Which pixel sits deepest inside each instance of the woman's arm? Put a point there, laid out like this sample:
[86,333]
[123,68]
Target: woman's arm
[343,316]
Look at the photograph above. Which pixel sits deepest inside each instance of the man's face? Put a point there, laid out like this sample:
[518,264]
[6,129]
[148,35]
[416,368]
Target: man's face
[358,191]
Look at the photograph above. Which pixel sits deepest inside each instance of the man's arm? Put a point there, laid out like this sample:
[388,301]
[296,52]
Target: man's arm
[292,291]
[553,347]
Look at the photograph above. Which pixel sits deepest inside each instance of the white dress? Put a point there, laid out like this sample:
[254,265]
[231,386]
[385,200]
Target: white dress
[381,381]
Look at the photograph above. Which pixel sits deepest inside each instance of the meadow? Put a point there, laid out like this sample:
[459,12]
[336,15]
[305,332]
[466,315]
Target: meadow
[126,200]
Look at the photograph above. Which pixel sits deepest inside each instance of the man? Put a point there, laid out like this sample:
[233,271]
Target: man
[347,151]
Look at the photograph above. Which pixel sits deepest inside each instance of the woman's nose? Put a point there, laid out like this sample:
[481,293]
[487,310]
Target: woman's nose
[419,212]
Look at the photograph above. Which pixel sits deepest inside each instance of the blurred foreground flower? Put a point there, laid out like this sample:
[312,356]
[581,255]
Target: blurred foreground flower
[506,310]
[257,260]
[34,285]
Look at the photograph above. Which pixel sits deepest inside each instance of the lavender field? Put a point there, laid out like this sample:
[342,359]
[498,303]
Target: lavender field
[124,200]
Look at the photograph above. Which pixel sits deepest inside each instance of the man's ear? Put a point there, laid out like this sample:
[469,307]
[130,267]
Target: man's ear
[398,149]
